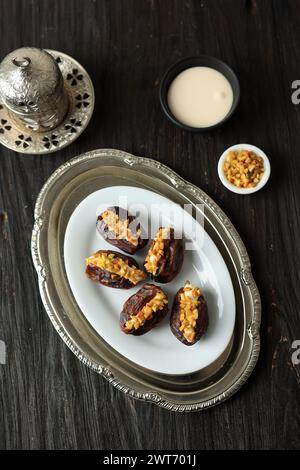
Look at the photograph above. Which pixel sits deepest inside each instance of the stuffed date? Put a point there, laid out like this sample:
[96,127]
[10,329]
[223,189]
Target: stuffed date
[144,310]
[114,269]
[165,256]
[189,317]
[121,229]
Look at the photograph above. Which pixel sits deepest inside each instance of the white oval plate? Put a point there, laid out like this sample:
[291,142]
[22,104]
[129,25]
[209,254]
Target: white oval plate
[204,266]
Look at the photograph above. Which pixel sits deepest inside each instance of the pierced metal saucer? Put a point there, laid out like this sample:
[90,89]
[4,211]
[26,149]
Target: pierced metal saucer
[81,94]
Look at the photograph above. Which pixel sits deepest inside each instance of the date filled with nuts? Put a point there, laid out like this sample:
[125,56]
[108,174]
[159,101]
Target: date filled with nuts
[189,317]
[165,256]
[144,310]
[121,229]
[113,269]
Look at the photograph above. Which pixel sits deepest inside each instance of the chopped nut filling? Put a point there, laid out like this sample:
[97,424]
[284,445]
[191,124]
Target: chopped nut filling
[113,264]
[189,311]
[156,250]
[157,303]
[120,227]
[244,168]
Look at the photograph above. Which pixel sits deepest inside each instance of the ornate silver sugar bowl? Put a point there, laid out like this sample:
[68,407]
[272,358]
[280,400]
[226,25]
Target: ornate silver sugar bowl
[46,100]
[32,87]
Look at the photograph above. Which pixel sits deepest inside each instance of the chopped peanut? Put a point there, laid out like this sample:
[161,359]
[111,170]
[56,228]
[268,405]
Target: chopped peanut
[113,264]
[158,302]
[243,168]
[189,311]
[120,227]
[157,250]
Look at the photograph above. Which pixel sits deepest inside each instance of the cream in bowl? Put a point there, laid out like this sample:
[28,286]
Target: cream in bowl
[244,168]
[199,93]
[200,97]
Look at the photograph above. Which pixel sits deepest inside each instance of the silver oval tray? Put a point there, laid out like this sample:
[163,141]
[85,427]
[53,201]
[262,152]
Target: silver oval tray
[65,188]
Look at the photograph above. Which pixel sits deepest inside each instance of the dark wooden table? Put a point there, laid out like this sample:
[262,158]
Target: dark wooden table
[48,399]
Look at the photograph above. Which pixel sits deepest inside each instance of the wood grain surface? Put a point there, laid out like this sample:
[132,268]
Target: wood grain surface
[48,399]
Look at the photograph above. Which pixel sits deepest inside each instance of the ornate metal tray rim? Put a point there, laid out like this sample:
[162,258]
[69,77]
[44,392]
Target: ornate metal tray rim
[245,274]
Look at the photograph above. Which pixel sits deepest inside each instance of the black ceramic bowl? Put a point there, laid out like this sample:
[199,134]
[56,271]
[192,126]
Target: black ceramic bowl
[204,61]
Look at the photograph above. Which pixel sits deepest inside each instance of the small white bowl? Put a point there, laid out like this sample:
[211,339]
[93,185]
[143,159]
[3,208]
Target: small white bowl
[232,187]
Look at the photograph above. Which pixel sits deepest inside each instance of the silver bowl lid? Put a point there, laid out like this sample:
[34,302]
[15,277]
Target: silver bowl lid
[28,77]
